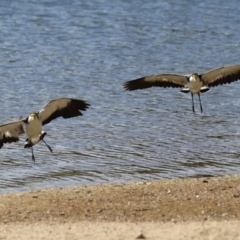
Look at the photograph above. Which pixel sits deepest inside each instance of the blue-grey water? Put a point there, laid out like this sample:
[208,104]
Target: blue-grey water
[87,49]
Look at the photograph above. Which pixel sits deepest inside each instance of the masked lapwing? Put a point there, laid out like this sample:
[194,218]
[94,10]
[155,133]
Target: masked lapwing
[61,107]
[194,83]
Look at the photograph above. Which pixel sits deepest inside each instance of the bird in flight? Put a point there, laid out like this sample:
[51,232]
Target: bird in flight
[61,107]
[194,83]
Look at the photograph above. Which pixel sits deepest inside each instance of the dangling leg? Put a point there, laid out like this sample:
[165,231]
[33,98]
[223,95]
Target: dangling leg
[50,149]
[29,145]
[33,158]
[200,102]
[42,138]
[192,103]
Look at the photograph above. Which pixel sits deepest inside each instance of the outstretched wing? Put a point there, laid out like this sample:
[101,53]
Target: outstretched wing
[62,107]
[222,75]
[162,80]
[9,132]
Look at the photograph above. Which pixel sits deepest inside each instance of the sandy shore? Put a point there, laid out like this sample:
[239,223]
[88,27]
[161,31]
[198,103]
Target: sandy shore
[203,208]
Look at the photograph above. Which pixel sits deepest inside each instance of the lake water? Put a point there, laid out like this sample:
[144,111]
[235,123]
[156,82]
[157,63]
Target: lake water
[87,49]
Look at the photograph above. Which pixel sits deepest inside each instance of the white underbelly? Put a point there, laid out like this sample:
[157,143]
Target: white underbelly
[195,86]
[33,130]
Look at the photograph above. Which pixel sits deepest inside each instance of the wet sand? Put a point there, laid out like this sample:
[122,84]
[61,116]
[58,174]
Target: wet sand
[195,208]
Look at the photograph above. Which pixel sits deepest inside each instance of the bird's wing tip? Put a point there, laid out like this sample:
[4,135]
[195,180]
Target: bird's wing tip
[127,86]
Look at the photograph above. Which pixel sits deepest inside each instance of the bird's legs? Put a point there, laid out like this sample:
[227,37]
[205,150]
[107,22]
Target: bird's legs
[42,138]
[192,103]
[50,149]
[33,158]
[200,102]
[29,145]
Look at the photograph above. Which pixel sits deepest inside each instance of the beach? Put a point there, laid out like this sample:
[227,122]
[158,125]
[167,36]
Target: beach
[192,208]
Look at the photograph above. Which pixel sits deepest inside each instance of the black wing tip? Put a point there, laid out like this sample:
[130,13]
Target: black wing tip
[136,84]
[148,82]
[9,139]
[72,107]
[129,86]
[11,135]
[75,108]
[87,105]
[81,104]
[78,103]
[222,82]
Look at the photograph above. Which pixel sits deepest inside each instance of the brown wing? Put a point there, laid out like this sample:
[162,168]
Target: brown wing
[163,80]
[62,107]
[222,75]
[9,132]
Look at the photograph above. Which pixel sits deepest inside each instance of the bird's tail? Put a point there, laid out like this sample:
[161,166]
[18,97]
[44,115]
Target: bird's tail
[202,90]
[27,144]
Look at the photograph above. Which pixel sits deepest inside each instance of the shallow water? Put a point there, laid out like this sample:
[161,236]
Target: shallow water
[86,50]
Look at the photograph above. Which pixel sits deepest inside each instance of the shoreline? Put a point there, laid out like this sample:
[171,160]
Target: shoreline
[173,203]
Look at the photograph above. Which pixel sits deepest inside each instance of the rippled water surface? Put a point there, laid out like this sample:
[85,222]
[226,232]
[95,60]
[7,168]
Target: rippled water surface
[87,49]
